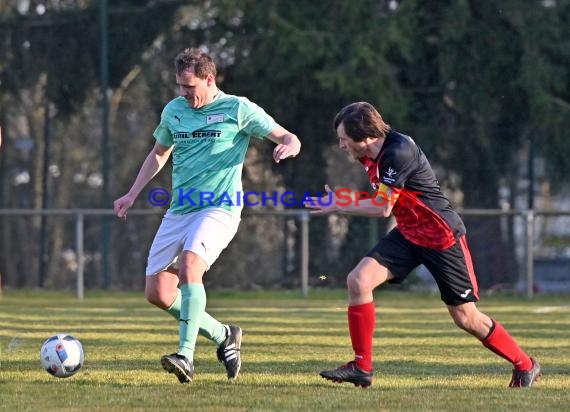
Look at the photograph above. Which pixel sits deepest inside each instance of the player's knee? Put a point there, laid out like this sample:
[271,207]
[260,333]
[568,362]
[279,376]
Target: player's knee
[354,283]
[156,298]
[151,296]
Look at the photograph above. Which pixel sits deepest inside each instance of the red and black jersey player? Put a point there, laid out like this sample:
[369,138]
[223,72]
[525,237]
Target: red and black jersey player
[428,231]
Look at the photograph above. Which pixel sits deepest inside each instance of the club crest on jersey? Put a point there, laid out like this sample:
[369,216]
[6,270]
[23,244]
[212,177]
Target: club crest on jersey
[389,175]
[215,118]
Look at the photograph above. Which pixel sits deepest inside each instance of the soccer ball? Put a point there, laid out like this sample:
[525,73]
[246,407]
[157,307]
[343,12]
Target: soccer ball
[62,355]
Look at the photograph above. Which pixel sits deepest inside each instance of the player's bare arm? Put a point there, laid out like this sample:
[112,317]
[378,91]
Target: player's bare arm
[288,144]
[379,206]
[153,163]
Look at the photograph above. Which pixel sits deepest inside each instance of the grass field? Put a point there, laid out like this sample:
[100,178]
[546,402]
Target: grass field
[423,362]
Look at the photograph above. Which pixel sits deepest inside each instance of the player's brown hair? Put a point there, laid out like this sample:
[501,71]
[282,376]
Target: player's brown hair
[195,59]
[361,120]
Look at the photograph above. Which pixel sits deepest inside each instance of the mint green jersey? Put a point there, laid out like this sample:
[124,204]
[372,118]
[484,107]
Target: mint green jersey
[209,149]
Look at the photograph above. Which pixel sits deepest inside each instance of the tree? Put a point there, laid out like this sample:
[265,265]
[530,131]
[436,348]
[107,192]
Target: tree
[473,82]
[51,105]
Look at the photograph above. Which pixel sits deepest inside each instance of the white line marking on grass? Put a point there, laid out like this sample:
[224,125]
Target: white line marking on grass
[549,309]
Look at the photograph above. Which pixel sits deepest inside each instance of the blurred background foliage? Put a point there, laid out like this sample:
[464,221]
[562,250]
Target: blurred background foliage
[482,86]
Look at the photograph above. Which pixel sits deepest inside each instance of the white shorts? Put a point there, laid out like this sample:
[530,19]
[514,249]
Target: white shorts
[206,232]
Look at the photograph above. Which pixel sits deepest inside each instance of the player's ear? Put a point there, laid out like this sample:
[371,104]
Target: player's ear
[210,79]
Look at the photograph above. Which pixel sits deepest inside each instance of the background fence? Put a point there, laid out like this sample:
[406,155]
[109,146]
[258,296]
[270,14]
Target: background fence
[497,137]
[512,250]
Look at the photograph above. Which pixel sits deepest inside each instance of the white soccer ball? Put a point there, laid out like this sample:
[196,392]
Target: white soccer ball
[62,355]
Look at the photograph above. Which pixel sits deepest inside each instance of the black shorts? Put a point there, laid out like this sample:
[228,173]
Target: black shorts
[451,268]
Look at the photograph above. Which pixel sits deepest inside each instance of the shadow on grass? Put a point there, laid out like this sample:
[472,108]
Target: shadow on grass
[259,375]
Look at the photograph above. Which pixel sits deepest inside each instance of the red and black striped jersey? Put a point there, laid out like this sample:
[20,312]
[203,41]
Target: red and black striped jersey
[423,213]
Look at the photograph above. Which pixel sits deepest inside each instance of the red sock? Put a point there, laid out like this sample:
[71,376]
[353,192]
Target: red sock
[499,341]
[361,322]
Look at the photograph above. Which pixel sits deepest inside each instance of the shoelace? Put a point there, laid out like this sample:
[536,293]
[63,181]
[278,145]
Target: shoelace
[518,378]
[186,363]
[349,365]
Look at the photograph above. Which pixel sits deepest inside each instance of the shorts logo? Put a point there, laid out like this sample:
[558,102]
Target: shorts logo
[464,295]
[215,118]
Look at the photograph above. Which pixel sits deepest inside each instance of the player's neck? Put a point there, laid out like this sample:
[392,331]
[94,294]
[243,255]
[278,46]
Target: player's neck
[374,147]
[215,94]
[212,96]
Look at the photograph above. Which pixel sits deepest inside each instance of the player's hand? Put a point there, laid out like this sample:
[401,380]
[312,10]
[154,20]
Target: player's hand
[324,204]
[122,204]
[283,151]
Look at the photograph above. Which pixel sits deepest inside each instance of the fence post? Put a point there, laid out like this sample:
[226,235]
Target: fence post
[305,217]
[529,216]
[79,254]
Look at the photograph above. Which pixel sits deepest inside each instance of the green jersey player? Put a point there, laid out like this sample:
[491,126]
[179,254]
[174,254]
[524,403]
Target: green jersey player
[207,132]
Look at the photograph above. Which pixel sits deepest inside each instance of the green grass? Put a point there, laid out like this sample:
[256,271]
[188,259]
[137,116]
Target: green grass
[423,362]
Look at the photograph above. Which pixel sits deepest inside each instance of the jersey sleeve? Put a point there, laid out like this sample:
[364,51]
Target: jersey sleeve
[253,120]
[162,132]
[396,166]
